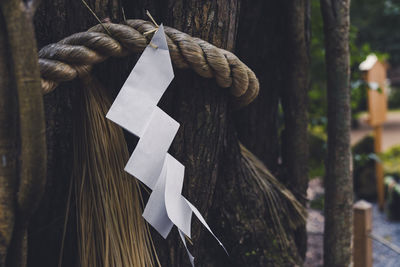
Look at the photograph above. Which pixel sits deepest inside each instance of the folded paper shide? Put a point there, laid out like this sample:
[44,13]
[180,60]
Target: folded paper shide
[135,109]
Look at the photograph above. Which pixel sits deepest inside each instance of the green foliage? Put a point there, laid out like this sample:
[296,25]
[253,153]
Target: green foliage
[358,91]
[377,22]
[364,160]
[371,31]
[317,92]
[318,203]
[364,14]
[317,151]
[392,196]
[394,98]
[251,253]
[391,160]
[363,152]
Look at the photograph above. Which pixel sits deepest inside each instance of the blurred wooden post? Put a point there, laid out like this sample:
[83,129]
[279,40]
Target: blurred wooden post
[379,167]
[377,107]
[362,228]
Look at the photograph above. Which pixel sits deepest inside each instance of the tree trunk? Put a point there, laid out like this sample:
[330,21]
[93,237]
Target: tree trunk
[218,179]
[279,33]
[338,183]
[21,81]
[8,148]
[294,98]
[210,152]
[55,20]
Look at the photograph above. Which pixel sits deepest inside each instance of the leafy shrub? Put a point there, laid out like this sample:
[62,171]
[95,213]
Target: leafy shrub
[317,150]
[391,161]
[364,161]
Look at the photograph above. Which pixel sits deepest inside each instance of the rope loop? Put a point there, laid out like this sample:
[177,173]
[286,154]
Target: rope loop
[75,55]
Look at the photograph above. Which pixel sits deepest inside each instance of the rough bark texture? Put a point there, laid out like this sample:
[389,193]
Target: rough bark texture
[279,33]
[24,82]
[210,152]
[259,44]
[8,148]
[294,102]
[216,181]
[338,183]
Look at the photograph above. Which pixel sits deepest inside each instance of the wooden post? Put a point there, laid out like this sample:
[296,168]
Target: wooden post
[362,228]
[377,106]
[379,168]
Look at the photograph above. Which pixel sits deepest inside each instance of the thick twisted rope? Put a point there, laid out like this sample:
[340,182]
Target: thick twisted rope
[75,55]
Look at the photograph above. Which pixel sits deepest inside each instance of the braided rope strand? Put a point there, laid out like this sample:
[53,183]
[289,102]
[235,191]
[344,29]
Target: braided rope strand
[75,55]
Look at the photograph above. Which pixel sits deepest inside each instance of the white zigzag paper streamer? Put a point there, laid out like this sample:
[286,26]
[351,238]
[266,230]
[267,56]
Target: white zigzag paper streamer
[135,109]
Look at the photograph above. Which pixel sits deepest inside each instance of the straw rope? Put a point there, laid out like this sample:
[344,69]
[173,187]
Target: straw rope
[75,55]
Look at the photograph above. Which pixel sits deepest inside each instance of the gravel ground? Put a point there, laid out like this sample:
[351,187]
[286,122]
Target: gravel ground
[315,240]
[315,227]
[382,255]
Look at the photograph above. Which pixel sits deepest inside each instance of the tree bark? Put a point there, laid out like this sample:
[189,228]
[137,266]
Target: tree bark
[261,48]
[25,84]
[279,33]
[8,148]
[54,20]
[338,183]
[217,181]
[216,22]
[294,98]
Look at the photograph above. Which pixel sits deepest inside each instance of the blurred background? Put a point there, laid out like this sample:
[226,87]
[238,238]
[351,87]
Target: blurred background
[374,32]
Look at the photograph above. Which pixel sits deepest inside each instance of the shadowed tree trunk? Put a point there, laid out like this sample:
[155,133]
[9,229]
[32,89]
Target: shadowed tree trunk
[8,148]
[208,132]
[26,150]
[338,182]
[294,98]
[218,179]
[273,39]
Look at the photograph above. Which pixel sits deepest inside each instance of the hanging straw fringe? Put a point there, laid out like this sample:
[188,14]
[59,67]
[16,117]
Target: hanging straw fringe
[280,201]
[112,232]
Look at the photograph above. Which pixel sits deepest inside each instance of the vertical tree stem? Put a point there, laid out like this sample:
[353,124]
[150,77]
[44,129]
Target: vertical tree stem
[8,148]
[294,98]
[24,71]
[338,183]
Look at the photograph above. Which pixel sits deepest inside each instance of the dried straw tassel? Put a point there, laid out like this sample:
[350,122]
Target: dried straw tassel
[111,229]
[280,201]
